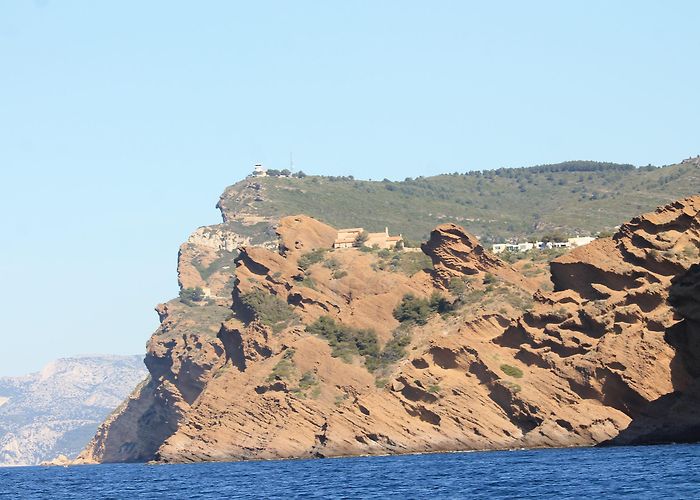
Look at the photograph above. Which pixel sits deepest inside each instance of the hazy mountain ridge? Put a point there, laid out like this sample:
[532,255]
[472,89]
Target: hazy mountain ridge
[56,410]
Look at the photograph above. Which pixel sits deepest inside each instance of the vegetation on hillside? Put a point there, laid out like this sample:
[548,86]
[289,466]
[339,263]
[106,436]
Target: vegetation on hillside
[189,296]
[224,260]
[512,371]
[396,260]
[205,319]
[269,309]
[417,310]
[570,198]
[310,258]
[346,342]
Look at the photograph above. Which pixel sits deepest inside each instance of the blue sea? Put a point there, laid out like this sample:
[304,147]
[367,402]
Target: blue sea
[671,471]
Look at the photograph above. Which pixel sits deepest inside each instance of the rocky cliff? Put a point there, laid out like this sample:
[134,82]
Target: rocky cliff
[57,410]
[305,351]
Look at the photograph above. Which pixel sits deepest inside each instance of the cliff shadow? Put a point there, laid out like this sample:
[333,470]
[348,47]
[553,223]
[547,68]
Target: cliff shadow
[675,417]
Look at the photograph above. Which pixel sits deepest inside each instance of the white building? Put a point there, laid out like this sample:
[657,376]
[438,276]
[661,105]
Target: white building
[559,244]
[539,245]
[579,241]
[259,170]
[524,247]
[499,247]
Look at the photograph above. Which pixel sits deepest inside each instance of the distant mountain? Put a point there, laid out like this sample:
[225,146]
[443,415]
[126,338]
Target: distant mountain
[57,410]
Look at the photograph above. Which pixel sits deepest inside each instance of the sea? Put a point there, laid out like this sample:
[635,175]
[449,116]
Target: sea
[668,471]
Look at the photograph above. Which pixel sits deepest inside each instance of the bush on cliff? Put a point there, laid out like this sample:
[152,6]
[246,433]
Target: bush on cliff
[311,258]
[512,371]
[269,309]
[189,296]
[394,349]
[413,309]
[346,342]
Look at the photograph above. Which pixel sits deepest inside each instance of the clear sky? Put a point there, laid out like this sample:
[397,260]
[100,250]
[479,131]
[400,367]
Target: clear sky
[121,122]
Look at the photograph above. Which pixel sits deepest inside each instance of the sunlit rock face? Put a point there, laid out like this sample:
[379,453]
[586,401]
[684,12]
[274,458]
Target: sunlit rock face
[491,358]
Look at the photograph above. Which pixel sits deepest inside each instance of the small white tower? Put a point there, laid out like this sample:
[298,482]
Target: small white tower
[259,170]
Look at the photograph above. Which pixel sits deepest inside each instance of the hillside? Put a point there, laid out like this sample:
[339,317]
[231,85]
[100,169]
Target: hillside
[570,198]
[312,352]
[58,409]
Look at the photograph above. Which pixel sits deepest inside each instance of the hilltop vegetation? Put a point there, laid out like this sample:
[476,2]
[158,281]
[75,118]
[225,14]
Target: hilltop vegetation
[572,198]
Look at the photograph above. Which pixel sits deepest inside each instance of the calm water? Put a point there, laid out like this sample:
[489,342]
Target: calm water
[641,472]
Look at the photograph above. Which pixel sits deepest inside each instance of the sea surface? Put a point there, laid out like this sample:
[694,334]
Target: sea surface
[671,471]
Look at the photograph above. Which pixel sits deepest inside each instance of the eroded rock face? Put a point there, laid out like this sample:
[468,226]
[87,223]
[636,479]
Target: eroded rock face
[511,366]
[457,254]
[182,356]
[608,329]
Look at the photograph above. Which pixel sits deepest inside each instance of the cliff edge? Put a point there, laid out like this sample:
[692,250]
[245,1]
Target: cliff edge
[299,350]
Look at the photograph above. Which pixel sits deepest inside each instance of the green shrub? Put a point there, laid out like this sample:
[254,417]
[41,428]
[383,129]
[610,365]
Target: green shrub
[307,380]
[311,258]
[512,371]
[489,279]
[190,295]
[439,303]
[457,287]
[512,386]
[395,348]
[413,262]
[339,274]
[361,239]
[269,309]
[224,259]
[412,309]
[381,383]
[690,252]
[434,389]
[346,342]
[308,282]
[332,264]
[284,369]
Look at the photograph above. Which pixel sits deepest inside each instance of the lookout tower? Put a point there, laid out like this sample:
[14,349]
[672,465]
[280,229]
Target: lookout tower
[259,170]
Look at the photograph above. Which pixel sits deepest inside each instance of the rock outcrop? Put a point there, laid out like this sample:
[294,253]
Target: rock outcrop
[457,254]
[322,352]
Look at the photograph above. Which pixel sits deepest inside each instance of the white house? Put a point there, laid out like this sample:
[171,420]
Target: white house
[539,245]
[579,241]
[259,170]
[558,244]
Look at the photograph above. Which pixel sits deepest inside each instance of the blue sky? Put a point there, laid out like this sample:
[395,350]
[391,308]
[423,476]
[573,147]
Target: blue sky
[121,123]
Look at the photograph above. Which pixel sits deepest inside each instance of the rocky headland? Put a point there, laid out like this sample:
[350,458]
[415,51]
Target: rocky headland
[286,348]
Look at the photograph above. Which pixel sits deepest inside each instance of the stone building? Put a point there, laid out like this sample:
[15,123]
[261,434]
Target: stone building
[346,238]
